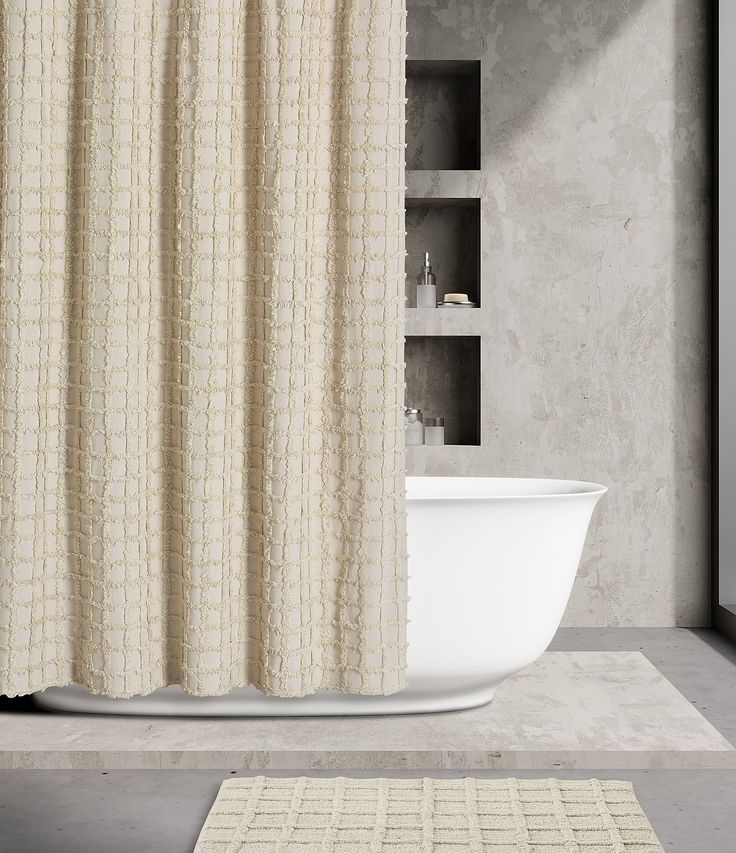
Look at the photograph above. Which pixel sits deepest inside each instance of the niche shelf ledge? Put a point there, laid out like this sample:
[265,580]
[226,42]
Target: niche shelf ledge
[446,322]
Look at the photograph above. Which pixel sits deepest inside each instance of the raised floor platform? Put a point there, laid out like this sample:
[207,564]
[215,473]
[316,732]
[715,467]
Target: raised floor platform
[570,710]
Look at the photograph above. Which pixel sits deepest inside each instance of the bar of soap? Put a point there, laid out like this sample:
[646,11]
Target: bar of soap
[456,297]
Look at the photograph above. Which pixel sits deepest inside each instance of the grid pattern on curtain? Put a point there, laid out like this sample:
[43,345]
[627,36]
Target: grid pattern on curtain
[201,345]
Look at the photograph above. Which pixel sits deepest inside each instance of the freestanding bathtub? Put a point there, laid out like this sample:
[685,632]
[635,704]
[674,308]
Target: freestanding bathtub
[491,565]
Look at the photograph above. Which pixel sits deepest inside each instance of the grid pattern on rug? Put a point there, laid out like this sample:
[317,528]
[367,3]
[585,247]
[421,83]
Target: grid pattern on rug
[263,815]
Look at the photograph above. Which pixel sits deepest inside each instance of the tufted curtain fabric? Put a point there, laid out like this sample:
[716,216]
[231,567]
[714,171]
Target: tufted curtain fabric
[201,345]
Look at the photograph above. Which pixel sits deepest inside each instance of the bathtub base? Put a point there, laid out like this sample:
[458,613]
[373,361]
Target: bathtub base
[492,562]
[249,702]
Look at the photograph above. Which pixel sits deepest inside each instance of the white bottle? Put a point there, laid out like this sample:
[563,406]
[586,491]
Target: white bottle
[414,427]
[426,286]
[434,431]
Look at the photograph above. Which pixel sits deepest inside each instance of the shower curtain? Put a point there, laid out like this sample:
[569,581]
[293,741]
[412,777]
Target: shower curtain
[201,345]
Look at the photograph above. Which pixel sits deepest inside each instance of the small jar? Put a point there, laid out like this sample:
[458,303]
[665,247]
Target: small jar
[434,431]
[414,427]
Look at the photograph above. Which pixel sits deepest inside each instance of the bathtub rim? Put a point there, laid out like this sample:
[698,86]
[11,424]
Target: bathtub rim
[576,488]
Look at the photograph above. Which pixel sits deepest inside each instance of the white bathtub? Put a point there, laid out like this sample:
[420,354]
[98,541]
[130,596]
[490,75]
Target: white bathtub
[491,565]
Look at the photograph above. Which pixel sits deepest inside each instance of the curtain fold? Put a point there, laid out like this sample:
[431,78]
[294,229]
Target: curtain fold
[201,345]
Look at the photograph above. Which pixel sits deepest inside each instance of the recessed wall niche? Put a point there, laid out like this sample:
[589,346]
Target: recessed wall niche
[449,229]
[443,380]
[443,114]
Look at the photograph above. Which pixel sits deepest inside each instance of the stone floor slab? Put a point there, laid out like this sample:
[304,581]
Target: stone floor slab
[571,709]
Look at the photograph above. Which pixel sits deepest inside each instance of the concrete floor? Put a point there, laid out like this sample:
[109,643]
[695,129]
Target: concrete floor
[133,811]
[85,811]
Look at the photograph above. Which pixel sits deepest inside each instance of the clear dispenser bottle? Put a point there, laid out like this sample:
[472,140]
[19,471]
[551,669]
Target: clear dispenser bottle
[426,286]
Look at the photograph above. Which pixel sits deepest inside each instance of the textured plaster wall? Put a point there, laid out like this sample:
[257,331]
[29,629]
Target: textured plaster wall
[594,211]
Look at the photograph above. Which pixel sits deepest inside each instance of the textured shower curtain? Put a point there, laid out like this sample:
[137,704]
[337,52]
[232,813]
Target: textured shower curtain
[201,345]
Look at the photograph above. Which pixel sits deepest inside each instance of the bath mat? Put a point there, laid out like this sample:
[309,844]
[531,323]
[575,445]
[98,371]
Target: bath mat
[264,815]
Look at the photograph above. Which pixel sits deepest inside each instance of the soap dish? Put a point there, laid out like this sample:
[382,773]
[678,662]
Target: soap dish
[454,304]
[452,300]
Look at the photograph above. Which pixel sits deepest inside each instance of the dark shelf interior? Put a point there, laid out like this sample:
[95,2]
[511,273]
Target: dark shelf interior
[443,380]
[443,114]
[449,229]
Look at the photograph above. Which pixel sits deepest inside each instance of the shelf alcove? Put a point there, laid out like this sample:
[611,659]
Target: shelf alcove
[443,380]
[443,114]
[449,229]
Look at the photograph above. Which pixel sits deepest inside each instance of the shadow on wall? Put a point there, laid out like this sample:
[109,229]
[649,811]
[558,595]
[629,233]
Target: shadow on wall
[526,50]
[692,298]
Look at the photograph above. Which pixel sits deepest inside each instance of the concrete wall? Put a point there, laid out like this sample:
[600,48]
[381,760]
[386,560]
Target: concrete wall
[594,251]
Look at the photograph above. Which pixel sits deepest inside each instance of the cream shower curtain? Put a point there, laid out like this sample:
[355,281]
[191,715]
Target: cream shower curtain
[201,345]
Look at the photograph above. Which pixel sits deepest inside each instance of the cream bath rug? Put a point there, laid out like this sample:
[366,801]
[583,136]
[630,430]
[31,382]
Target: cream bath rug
[264,815]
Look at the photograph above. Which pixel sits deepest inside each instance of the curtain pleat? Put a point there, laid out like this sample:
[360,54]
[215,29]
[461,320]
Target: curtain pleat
[201,345]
